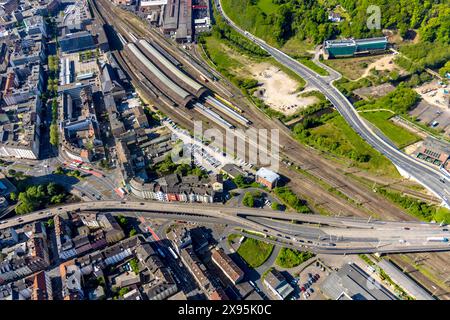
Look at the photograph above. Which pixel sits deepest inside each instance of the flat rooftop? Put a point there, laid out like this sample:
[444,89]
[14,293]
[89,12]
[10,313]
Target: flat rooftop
[354,42]
[354,282]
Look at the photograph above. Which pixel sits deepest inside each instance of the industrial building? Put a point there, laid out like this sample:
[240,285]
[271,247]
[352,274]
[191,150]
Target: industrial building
[352,47]
[267,177]
[201,15]
[181,19]
[277,284]
[153,10]
[352,283]
[434,152]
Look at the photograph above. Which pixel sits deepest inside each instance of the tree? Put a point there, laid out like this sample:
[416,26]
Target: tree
[123,291]
[240,181]
[75,173]
[101,281]
[276,206]
[414,81]
[248,200]
[133,232]
[59,170]
[57,198]
[50,223]
[123,221]
[394,75]
[445,69]
[134,264]
[13,196]
[52,189]
[26,204]
[54,134]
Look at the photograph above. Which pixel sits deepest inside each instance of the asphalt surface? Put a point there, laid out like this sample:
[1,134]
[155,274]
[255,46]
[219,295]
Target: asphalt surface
[427,176]
[343,235]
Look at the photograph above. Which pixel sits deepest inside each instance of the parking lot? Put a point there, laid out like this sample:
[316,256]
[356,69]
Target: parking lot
[433,116]
[207,157]
[308,284]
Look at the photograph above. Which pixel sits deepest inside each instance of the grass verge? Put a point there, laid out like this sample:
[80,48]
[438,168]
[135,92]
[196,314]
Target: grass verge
[289,258]
[255,252]
[400,136]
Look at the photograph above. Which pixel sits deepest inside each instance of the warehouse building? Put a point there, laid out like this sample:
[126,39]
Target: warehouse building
[277,284]
[407,283]
[434,152]
[170,23]
[352,283]
[267,177]
[352,47]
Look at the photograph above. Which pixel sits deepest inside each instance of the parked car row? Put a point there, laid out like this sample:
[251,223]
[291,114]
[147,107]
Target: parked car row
[206,156]
[307,289]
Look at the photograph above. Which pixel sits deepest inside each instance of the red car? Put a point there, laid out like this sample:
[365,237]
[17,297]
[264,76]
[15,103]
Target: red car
[303,289]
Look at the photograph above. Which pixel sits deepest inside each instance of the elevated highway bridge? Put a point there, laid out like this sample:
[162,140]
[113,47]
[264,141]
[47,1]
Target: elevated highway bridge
[321,234]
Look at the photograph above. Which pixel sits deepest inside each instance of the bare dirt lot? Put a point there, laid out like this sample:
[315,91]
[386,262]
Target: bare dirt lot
[374,91]
[278,90]
[434,94]
[359,67]
[384,63]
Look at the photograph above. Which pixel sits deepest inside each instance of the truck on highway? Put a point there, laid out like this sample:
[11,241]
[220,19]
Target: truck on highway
[437,239]
[120,191]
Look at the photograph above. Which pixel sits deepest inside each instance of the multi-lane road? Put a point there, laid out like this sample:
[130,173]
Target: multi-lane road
[426,175]
[321,234]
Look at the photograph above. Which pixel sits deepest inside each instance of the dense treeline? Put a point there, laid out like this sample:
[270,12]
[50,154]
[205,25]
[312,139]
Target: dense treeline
[303,132]
[291,199]
[167,167]
[54,137]
[424,55]
[401,100]
[308,19]
[417,208]
[38,196]
[222,30]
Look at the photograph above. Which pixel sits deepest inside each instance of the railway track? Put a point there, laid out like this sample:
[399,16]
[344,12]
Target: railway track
[304,156]
[142,84]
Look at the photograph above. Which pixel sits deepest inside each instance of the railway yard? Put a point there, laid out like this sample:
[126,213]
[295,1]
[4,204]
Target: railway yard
[331,173]
[173,79]
[171,150]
